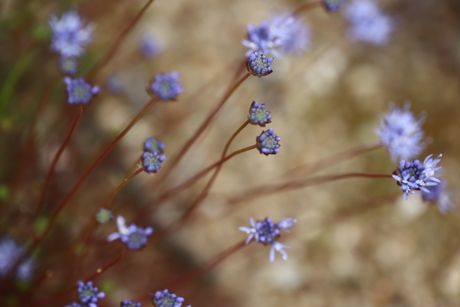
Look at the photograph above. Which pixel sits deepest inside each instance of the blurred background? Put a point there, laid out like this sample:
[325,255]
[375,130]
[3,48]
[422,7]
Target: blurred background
[356,242]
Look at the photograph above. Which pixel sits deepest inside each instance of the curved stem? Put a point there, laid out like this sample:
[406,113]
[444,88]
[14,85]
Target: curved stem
[113,49]
[108,266]
[109,201]
[56,159]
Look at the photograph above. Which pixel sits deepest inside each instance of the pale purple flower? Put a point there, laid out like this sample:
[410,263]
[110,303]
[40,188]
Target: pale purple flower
[10,252]
[441,196]
[149,47]
[133,236]
[79,91]
[166,86]
[88,295]
[268,142]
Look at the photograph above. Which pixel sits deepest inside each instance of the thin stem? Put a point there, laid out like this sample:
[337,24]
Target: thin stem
[108,266]
[56,159]
[298,184]
[109,201]
[201,129]
[121,37]
[308,6]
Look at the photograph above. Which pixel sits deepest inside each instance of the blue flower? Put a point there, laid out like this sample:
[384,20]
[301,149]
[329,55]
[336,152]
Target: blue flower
[149,48]
[258,65]
[114,84]
[151,144]
[368,23]
[79,91]
[438,194]
[401,133]
[166,86]
[127,303]
[266,232]
[10,252]
[70,34]
[258,115]
[69,66]
[104,215]
[282,34]
[151,161]
[333,5]
[165,299]
[267,142]
[414,176]
[133,236]
[87,294]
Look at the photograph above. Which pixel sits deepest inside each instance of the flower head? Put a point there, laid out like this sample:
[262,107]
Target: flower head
[10,252]
[258,65]
[79,91]
[266,232]
[401,133]
[151,161]
[414,176]
[166,86]
[70,34]
[258,115]
[151,144]
[69,66]
[438,194]
[104,215]
[368,23]
[127,303]
[165,299]
[333,5]
[149,47]
[282,34]
[87,294]
[268,142]
[133,236]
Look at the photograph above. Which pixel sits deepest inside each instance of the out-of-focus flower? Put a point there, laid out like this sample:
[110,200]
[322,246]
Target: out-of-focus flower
[10,252]
[114,84]
[414,176]
[104,215]
[70,34]
[441,196]
[166,86]
[87,294]
[127,303]
[79,91]
[149,47]
[69,66]
[268,142]
[133,236]
[333,5]
[151,144]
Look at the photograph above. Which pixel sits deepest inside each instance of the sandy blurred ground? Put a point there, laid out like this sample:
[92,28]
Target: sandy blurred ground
[356,242]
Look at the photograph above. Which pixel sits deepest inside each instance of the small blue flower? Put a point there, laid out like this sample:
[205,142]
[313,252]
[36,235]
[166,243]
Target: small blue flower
[165,299]
[69,66]
[70,34]
[268,142]
[10,252]
[414,176]
[333,5]
[88,295]
[401,133]
[133,236]
[149,47]
[127,303]
[151,161]
[258,115]
[266,232]
[166,86]
[282,34]
[368,23]
[151,144]
[79,91]
[258,64]
[104,215]
[438,194]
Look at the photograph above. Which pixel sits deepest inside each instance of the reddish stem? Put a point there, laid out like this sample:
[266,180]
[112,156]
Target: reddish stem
[308,6]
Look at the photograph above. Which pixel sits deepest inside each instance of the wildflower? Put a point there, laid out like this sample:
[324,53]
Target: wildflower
[133,236]
[151,144]
[258,65]
[282,34]
[166,86]
[266,232]
[414,176]
[401,133]
[258,115]
[10,252]
[151,161]
[438,194]
[165,299]
[149,48]
[368,23]
[104,215]
[114,84]
[127,303]
[267,142]
[70,34]
[88,295]
[79,91]
[68,65]
[332,5]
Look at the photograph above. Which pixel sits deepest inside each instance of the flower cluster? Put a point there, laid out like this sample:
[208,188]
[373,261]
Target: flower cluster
[266,232]
[151,144]
[127,303]
[104,215]
[87,295]
[166,299]
[368,23]
[268,142]
[79,91]
[166,86]
[258,115]
[133,237]
[414,176]
[258,64]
